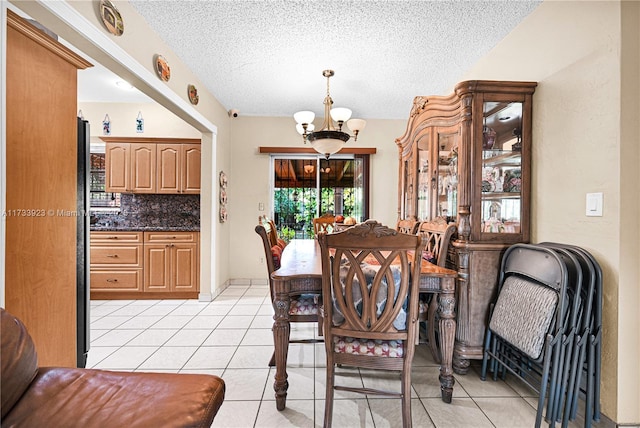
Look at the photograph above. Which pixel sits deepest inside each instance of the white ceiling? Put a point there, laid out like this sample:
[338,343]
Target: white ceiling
[265,58]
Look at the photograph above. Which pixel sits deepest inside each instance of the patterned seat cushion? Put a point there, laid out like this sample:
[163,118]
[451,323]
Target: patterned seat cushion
[523,314]
[377,348]
[304,304]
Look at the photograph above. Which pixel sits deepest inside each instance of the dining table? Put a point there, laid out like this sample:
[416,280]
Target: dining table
[301,272]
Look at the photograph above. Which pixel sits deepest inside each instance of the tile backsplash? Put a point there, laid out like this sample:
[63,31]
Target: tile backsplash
[151,212]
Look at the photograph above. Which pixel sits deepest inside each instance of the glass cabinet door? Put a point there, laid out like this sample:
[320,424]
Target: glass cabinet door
[447,174]
[501,200]
[424,180]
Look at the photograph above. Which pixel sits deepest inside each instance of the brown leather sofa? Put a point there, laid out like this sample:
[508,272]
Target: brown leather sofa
[35,396]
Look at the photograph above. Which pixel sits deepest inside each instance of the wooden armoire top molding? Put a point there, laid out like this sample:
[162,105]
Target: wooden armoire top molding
[40,37]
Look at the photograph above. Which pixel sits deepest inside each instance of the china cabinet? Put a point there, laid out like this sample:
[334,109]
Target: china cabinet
[467,157]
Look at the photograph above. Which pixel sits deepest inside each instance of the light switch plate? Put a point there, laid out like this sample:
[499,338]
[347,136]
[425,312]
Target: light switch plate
[594,204]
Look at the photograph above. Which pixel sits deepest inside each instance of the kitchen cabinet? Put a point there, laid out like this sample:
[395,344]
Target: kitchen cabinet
[171,261]
[467,157]
[116,261]
[178,167]
[144,265]
[41,167]
[152,165]
[130,167]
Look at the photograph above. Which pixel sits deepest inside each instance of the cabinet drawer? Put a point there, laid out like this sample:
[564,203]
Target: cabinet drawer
[116,280]
[170,237]
[113,237]
[129,255]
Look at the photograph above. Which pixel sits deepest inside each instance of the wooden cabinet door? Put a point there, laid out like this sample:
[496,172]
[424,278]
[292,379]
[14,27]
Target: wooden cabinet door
[143,168]
[190,162]
[184,264]
[168,168]
[117,159]
[157,267]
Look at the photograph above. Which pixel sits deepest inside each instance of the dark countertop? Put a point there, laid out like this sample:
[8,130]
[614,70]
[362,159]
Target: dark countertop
[143,229]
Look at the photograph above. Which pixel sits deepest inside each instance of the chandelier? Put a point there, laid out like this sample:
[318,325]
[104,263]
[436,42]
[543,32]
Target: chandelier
[330,138]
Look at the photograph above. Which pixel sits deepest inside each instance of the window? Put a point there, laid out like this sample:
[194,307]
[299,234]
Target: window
[98,198]
[308,186]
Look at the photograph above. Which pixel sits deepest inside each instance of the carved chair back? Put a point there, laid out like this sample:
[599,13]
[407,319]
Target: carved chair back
[326,223]
[370,286]
[407,226]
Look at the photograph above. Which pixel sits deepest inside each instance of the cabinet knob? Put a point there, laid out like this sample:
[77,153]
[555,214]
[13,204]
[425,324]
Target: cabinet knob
[112,280]
[115,256]
[112,237]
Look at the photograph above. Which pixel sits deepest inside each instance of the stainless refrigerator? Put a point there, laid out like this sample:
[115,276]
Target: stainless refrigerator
[82,276]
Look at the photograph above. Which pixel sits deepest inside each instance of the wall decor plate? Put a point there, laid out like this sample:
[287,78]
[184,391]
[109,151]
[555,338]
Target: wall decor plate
[111,18]
[162,68]
[223,180]
[193,94]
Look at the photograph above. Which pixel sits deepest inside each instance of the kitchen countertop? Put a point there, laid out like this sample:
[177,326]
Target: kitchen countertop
[102,228]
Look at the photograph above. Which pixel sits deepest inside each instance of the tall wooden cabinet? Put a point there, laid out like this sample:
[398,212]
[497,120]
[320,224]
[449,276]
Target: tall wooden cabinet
[41,174]
[467,157]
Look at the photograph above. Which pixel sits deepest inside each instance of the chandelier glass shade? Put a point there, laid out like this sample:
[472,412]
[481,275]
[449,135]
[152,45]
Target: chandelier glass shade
[330,138]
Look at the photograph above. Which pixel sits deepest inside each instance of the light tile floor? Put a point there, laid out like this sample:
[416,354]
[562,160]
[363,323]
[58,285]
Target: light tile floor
[231,337]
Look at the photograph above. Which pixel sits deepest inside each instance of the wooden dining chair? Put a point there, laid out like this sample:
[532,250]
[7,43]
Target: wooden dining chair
[370,286]
[326,223]
[436,236]
[303,307]
[407,226]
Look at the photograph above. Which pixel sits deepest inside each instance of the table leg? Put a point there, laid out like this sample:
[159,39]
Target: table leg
[446,311]
[281,329]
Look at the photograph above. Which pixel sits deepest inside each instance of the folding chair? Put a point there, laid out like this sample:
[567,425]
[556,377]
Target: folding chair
[586,358]
[529,320]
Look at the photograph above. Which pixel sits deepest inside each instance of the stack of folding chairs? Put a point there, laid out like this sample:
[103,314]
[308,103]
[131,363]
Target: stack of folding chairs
[545,328]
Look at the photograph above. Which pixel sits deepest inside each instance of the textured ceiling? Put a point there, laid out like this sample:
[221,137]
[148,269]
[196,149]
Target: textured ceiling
[265,58]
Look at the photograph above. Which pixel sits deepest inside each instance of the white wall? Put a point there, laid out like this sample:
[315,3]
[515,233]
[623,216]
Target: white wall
[158,121]
[573,49]
[249,183]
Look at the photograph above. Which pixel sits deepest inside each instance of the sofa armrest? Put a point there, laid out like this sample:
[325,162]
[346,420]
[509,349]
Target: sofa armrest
[90,398]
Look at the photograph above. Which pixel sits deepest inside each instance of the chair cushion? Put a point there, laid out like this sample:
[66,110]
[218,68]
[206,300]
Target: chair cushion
[304,304]
[377,348]
[523,314]
[276,253]
[430,257]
